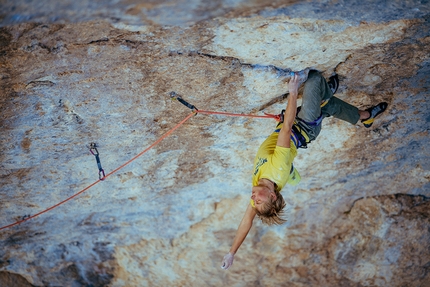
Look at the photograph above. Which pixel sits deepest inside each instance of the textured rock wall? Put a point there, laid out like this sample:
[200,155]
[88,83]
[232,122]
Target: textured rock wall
[360,216]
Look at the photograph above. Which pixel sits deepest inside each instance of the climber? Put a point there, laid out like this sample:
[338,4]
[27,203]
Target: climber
[273,164]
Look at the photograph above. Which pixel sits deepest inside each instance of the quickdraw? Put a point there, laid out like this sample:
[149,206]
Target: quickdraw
[175,96]
[95,152]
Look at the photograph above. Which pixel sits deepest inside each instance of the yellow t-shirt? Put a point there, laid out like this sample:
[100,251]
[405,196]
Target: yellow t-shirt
[274,162]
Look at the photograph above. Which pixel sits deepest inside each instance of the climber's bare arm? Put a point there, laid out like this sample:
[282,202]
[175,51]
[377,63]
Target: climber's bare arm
[290,113]
[243,229]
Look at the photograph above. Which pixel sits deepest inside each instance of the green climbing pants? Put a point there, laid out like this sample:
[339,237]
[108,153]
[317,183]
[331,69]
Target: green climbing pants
[317,91]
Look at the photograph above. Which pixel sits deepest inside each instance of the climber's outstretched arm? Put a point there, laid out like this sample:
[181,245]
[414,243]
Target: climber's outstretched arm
[290,113]
[244,227]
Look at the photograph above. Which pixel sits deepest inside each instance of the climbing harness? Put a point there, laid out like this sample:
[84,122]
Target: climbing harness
[294,136]
[102,175]
[95,152]
[298,135]
[299,132]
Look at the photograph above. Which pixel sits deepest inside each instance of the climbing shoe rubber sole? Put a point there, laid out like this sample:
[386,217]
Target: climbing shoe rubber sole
[374,112]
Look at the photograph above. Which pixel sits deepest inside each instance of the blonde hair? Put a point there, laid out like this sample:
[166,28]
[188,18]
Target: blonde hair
[271,212]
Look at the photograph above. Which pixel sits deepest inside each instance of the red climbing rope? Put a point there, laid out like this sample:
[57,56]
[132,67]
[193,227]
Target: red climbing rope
[109,174]
[195,110]
[276,117]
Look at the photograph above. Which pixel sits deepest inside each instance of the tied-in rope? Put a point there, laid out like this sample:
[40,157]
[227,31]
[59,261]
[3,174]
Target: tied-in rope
[265,116]
[102,178]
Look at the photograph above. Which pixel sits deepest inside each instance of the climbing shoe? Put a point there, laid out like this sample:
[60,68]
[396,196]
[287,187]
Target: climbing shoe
[374,112]
[333,83]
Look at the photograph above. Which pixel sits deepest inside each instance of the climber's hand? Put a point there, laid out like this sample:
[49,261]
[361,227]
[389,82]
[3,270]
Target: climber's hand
[227,261]
[293,85]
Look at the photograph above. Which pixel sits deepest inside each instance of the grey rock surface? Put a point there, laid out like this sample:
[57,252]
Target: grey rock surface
[74,73]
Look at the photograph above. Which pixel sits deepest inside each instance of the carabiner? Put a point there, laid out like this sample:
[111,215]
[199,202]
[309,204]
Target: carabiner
[175,96]
[93,146]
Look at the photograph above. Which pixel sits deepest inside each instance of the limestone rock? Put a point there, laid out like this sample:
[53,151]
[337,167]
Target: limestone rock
[72,75]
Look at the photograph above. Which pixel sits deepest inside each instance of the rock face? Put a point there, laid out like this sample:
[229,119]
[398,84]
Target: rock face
[74,73]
